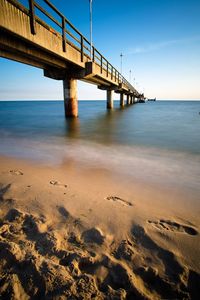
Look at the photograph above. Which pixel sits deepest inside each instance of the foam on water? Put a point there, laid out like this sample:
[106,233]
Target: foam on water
[149,164]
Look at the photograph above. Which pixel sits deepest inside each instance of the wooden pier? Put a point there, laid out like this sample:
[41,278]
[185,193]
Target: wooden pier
[60,50]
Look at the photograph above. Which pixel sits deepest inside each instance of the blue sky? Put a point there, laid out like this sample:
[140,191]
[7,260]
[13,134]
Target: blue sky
[160,41]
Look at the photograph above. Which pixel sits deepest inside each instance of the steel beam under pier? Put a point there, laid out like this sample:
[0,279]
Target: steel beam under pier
[70,97]
[109,99]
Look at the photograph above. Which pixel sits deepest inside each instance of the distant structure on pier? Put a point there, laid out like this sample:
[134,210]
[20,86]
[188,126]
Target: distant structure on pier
[154,99]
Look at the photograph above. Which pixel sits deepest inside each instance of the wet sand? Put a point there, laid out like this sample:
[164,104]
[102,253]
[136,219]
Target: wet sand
[75,232]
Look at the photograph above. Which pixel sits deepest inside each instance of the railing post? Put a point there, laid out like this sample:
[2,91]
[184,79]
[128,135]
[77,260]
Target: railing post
[107,69]
[93,54]
[112,73]
[32,16]
[63,34]
[101,64]
[82,54]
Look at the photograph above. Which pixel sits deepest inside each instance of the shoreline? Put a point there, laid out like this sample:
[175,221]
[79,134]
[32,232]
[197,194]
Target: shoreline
[128,237]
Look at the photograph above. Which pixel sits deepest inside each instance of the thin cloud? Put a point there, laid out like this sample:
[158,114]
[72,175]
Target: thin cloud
[157,46]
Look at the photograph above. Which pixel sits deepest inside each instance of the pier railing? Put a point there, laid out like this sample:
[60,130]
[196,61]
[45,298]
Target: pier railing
[44,10]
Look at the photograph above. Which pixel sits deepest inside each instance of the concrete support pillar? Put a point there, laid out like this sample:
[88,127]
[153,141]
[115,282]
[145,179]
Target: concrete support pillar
[109,99]
[131,99]
[70,97]
[122,100]
[128,99]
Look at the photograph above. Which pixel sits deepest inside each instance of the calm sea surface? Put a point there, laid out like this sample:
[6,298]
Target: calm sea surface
[159,140]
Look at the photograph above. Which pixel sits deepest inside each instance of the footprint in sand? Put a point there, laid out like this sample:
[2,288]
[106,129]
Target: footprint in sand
[64,213]
[16,172]
[173,226]
[120,200]
[93,235]
[57,183]
[124,250]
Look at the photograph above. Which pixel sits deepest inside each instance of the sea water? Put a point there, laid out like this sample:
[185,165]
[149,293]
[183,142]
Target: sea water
[156,141]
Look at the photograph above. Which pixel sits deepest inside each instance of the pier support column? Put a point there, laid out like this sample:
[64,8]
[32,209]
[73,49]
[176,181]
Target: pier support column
[131,99]
[128,99]
[122,100]
[109,99]
[70,97]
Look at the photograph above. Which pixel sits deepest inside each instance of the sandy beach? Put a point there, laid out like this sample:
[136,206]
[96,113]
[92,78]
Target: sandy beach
[74,232]
[99,150]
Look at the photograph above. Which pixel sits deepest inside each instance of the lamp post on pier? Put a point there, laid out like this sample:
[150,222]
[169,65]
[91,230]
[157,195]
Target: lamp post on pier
[121,55]
[130,76]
